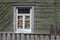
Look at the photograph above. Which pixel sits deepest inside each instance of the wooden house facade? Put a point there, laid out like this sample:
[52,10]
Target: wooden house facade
[46,12]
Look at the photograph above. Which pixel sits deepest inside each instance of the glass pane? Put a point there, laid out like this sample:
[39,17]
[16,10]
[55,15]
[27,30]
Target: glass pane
[27,17]
[20,24]
[20,17]
[23,10]
[27,24]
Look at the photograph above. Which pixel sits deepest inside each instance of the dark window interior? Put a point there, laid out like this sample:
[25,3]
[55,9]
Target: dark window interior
[23,10]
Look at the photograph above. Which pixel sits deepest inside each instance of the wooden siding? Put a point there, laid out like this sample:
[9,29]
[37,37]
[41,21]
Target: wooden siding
[6,17]
[46,1]
[58,1]
[58,13]
[58,17]
[44,15]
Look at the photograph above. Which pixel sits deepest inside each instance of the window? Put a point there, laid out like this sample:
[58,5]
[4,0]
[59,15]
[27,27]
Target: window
[23,19]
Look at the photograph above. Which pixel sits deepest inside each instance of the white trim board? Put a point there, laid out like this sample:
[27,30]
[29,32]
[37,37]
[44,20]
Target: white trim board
[15,20]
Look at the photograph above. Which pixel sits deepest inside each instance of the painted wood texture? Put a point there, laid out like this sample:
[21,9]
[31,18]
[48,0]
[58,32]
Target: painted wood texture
[58,17]
[43,16]
[19,36]
[48,1]
[58,13]
[6,17]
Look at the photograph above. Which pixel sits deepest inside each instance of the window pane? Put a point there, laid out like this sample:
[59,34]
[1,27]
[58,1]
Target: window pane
[27,17]
[20,17]
[23,10]
[27,24]
[20,24]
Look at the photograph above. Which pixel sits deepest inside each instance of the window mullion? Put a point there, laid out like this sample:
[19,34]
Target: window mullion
[16,18]
[30,18]
[23,21]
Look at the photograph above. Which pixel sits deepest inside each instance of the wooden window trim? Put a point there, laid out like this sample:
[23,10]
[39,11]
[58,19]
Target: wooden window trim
[31,19]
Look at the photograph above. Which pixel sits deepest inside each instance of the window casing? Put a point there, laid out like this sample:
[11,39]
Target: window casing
[23,19]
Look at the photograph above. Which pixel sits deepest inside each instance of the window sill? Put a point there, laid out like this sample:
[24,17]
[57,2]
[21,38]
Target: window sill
[23,31]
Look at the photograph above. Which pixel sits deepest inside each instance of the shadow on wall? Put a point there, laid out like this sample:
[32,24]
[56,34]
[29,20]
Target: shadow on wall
[54,29]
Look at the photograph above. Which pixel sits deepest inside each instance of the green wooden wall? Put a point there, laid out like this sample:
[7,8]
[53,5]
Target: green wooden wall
[47,1]
[6,17]
[58,15]
[44,15]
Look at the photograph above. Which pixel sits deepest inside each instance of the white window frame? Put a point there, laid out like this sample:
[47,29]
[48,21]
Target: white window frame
[16,30]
